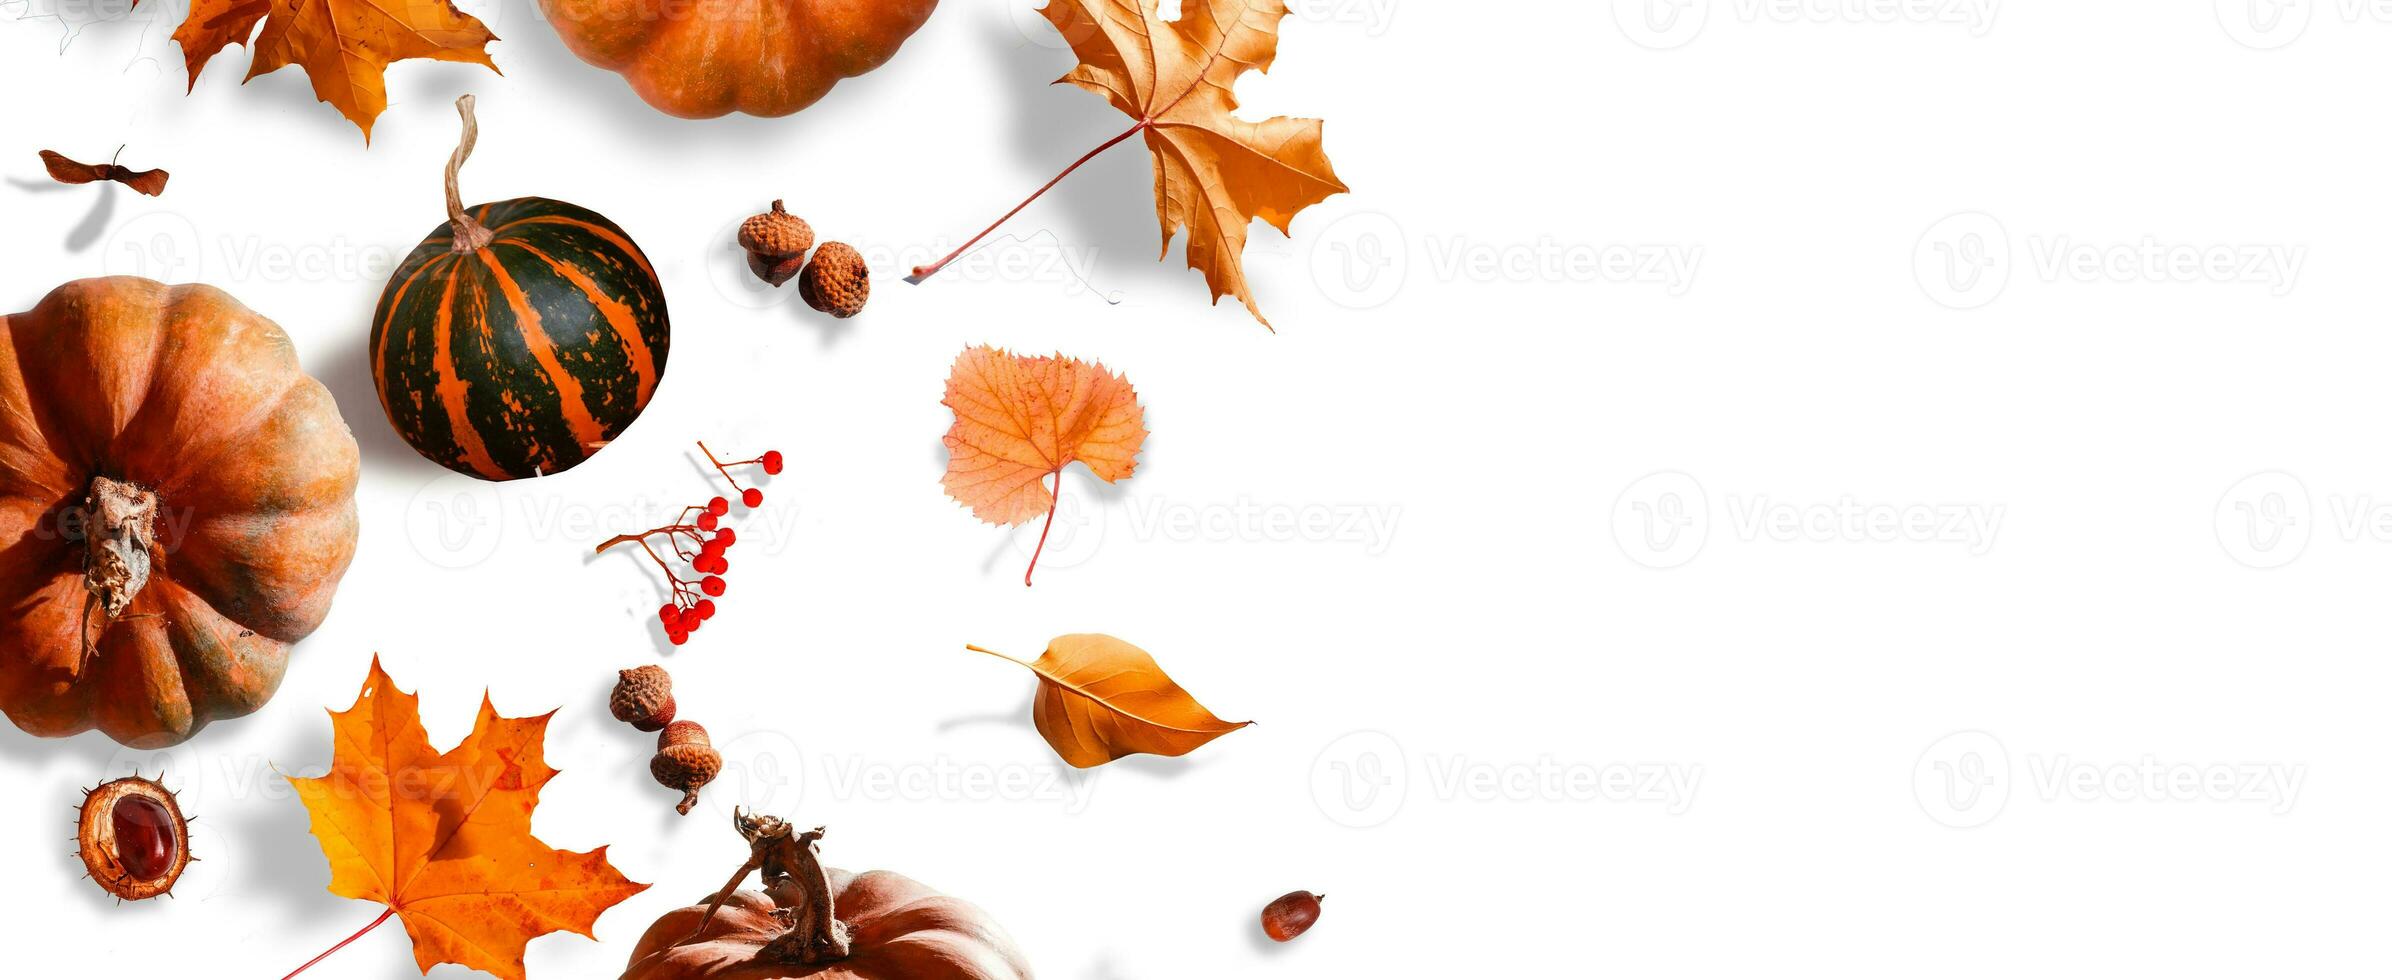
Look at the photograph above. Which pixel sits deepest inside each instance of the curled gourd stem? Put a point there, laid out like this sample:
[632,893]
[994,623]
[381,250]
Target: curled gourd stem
[468,234]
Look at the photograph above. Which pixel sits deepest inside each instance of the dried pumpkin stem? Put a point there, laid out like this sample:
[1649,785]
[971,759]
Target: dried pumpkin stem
[118,522]
[922,272]
[815,934]
[467,234]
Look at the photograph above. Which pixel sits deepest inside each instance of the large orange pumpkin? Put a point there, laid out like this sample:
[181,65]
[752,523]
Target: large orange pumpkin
[702,58]
[175,509]
[898,927]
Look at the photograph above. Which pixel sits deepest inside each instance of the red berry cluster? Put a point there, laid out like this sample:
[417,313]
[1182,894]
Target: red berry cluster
[699,540]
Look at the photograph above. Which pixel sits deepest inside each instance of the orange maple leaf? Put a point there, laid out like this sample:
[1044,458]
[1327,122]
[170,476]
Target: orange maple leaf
[444,839]
[343,45]
[1213,173]
[1019,420]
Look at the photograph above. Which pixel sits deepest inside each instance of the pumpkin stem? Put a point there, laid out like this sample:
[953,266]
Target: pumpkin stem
[468,235]
[118,522]
[815,933]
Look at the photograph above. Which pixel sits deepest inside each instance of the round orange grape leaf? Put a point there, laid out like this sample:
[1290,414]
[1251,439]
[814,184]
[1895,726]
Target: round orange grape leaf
[1019,420]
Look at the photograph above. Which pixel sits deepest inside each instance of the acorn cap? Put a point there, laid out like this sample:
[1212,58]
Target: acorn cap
[836,281]
[643,698]
[776,233]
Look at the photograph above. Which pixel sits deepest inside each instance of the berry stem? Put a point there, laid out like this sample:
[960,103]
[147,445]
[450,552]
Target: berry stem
[927,271]
[719,466]
[1054,500]
[387,912]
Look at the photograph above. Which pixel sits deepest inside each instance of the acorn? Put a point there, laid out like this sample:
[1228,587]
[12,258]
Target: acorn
[776,242]
[1289,915]
[836,282]
[685,760]
[133,838]
[643,698]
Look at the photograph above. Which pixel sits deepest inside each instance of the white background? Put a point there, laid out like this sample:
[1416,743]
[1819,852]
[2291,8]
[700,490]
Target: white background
[1425,510]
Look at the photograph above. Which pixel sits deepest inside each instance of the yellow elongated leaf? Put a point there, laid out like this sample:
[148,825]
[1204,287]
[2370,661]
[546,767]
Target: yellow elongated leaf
[1100,698]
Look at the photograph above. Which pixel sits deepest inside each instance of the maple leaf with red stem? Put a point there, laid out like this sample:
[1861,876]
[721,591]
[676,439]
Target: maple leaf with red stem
[1213,172]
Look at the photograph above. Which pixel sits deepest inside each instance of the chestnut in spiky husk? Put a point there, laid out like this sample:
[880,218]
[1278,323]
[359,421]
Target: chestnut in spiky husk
[133,837]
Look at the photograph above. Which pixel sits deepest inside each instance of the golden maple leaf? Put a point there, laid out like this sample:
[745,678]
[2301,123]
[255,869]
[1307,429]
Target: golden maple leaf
[343,45]
[1213,173]
[444,839]
[1019,420]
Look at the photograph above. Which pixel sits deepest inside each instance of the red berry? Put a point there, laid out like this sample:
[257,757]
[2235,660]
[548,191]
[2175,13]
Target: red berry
[753,497]
[690,624]
[708,564]
[722,566]
[678,637]
[718,506]
[772,462]
[665,612]
[705,609]
[713,585]
[725,538]
[706,521]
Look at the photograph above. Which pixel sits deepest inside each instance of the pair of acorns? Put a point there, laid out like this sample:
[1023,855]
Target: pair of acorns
[834,281]
[685,758]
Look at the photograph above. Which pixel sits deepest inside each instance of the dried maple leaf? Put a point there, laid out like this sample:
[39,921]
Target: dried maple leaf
[343,45]
[1019,420]
[445,839]
[1099,699]
[1213,173]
